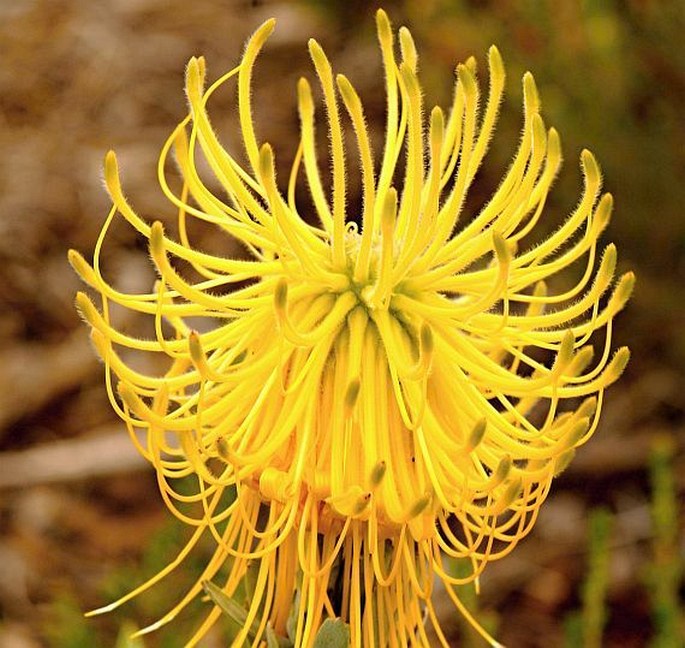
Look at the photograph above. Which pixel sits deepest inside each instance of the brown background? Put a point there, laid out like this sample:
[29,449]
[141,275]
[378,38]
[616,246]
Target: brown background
[77,77]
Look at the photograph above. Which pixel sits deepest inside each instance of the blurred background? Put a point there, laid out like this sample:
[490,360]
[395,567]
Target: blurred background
[81,521]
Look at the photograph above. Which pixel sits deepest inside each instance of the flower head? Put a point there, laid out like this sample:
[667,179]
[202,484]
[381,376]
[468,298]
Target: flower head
[379,393]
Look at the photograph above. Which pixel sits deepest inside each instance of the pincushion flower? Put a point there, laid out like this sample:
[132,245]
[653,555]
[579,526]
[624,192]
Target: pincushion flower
[379,393]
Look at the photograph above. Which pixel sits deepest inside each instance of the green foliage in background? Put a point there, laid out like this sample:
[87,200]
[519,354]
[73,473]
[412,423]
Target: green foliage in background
[67,627]
[594,591]
[586,627]
[666,572]
[461,568]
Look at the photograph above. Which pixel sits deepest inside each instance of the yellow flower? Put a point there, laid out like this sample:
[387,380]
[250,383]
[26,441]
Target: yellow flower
[378,398]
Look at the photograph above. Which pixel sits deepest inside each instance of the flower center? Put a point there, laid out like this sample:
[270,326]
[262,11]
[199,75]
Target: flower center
[370,271]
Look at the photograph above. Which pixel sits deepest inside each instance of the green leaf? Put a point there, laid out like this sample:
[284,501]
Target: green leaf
[275,641]
[225,602]
[227,605]
[271,638]
[238,613]
[333,633]
[291,621]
